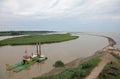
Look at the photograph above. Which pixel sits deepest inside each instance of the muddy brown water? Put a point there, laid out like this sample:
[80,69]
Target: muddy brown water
[82,47]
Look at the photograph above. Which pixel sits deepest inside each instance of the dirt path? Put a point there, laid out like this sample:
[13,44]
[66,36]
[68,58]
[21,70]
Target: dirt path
[96,71]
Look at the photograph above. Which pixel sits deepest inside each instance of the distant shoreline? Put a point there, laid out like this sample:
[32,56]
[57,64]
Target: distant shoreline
[12,33]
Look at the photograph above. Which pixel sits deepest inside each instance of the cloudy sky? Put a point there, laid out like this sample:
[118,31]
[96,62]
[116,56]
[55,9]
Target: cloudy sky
[60,15]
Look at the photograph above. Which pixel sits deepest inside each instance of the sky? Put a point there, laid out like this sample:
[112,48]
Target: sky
[60,15]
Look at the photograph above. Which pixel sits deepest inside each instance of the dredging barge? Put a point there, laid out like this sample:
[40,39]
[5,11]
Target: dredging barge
[27,60]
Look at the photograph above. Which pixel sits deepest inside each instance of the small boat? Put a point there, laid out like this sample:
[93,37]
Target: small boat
[27,61]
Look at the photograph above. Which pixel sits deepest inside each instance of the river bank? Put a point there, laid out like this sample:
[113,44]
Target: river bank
[100,53]
[67,51]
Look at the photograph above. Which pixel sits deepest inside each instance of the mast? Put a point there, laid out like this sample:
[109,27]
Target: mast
[39,48]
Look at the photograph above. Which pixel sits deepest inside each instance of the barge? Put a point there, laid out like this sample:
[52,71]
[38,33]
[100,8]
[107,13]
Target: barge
[27,60]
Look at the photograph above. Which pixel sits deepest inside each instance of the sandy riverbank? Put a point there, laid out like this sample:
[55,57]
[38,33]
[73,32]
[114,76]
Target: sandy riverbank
[107,57]
[110,47]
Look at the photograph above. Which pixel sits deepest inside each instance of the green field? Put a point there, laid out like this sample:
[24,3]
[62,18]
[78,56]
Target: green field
[80,72]
[110,71]
[32,39]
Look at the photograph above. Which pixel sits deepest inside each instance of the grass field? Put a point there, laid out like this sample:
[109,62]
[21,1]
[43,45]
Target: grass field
[80,72]
[32,39]
[110,71]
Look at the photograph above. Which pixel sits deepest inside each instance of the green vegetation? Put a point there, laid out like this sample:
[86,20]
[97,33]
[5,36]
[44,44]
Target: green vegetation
[32,39]
[110,71]
[80,72]
[59,64]
[115,55]
[8,33]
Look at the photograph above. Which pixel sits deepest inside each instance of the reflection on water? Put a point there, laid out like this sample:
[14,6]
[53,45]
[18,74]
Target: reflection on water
[26,73]
[66,51]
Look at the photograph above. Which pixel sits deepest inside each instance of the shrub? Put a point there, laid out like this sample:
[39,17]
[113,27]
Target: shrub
[59,64]
[110,71]
[86,65]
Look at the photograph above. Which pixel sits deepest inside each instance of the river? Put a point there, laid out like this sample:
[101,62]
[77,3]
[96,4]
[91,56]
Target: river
[68,51]
[114,35]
